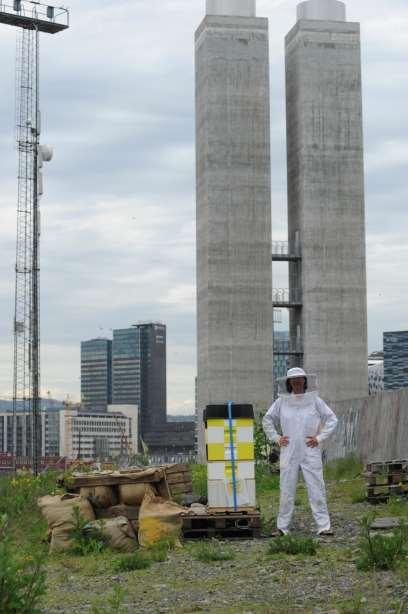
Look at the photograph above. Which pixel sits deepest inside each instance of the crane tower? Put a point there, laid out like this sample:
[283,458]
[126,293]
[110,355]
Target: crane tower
[31,18]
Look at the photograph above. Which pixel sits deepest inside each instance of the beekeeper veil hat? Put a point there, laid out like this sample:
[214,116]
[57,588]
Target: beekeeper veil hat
[285,387]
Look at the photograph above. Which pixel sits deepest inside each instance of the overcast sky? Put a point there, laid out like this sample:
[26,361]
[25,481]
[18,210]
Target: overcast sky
[118,213]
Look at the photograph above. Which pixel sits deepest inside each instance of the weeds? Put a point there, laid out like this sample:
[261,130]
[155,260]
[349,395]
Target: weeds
[381,552]
[87,539]
[397,506]
[22,583]
[355,605]
[132,562]
[290,544]
[111,603]
[20,493]
[212,551]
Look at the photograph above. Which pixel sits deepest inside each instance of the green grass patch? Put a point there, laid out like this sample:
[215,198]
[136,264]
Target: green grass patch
[346,468]
[212,551]
[199,479]
[265,480]
[293,545]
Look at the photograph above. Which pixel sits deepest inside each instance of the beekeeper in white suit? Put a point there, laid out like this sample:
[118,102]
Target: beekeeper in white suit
[299,421]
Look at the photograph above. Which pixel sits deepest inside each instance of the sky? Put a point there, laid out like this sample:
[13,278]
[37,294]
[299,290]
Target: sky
[118,212]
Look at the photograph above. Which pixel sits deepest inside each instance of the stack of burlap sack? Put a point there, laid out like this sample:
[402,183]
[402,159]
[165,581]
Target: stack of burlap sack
[126,515]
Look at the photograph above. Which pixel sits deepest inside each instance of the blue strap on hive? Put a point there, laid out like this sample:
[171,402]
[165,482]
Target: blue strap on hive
[234,479]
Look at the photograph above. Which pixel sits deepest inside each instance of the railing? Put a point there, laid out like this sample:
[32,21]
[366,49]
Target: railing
[283,250]
[288,347]
[284,297]
[36,11]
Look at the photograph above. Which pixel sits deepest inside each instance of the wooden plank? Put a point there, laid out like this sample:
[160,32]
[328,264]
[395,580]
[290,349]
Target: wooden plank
[231,511]
[112,480]
[176,468]
[179,478]
[176,489]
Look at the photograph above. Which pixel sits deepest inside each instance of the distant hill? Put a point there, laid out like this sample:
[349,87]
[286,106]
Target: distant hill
[181,418]
[49,404]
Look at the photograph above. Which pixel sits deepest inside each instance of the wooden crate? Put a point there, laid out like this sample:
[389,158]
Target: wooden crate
[232,525]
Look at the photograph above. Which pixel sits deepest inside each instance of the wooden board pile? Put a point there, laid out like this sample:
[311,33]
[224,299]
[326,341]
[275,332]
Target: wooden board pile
[386,479]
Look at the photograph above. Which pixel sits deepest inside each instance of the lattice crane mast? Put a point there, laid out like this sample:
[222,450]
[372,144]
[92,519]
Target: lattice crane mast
[31,18]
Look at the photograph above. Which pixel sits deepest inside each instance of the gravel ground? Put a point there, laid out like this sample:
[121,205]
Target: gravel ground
[251,583]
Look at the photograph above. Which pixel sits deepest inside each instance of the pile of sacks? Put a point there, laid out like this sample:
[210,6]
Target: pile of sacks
[126,515]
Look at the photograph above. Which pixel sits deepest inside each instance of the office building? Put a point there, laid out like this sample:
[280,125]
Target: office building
[96,374]
[153,394]
[234,268]
[126,367]
[100,436]
[326,197]
[396,360]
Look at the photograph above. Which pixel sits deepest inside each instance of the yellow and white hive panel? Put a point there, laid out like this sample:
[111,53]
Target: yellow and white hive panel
[218,439]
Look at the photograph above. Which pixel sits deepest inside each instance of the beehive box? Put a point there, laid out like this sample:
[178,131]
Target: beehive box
[230,457]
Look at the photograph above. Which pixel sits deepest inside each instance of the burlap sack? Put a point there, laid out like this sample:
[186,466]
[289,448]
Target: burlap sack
[160,520]
[133,494]
[119,532]
[58,511]
[100,496]
[128,511]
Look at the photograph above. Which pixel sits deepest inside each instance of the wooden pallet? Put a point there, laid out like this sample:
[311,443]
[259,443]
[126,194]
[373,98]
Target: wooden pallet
[386,479]
[234,525]
[388,467]
[230,510]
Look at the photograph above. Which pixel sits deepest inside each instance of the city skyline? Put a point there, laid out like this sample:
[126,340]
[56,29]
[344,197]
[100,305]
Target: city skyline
[118,213]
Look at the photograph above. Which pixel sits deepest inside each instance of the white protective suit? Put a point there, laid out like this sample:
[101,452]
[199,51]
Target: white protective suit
[298,417]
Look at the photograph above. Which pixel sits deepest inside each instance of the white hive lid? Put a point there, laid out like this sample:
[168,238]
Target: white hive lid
[326,10]
[238,8]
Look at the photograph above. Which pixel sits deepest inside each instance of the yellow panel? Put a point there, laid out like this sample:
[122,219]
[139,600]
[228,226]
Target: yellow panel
[227,434]
[245,451]
[215,422]
[244,422]
[216,451]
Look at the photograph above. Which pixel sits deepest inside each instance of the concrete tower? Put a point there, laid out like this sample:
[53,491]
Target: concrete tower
[234,271]
[326,195]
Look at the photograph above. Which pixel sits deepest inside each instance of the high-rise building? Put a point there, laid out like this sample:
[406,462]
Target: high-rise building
[153,397]
[234,268]
[396,360]
[326,196]
[126,367]
[96,374]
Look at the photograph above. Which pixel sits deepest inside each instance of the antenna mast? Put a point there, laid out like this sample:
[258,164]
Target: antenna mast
[32,18]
